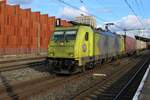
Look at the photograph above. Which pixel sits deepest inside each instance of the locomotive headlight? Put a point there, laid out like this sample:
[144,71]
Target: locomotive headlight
[71,54]
[51,54]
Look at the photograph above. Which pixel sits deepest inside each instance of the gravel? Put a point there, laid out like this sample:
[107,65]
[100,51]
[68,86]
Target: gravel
[24,74]
[70,88]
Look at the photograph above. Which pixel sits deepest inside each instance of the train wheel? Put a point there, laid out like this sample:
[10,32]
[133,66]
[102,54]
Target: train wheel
[90,65]
[71,69]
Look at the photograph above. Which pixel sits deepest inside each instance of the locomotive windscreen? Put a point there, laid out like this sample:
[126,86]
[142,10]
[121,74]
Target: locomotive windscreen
[64,35]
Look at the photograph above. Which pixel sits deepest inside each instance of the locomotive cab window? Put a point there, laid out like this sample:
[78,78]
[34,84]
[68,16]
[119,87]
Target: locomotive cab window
[64,35]
[58,35]
[70,35]
[86,36]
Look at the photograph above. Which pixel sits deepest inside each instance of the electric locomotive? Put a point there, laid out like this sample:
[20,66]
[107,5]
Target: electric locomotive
[73,49]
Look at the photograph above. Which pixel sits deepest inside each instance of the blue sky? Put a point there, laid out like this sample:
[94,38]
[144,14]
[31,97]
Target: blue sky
[110,10]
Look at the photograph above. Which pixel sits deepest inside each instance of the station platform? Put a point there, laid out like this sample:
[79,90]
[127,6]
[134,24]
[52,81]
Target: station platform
[143,92]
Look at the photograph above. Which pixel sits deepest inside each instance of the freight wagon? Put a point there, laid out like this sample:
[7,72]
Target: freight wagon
[148,45]
[79,47]
[130,45]
[140,45]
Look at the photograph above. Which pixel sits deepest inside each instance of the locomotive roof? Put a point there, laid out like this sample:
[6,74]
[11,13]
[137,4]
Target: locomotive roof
[105,32]
[67,28]
[109,33]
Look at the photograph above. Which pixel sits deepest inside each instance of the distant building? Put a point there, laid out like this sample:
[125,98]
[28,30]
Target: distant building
[90,20]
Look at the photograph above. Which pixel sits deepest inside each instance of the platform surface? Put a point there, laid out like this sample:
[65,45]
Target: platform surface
[145,94]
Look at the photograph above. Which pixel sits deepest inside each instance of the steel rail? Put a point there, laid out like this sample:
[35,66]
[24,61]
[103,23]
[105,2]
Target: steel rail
[131,80]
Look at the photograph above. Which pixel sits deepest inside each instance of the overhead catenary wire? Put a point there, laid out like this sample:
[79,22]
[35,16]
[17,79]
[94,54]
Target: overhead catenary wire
[142,6]
[130,7]
[72,6]
[141,2]
[101,19]
[138,5]
[124,29]
[82,1]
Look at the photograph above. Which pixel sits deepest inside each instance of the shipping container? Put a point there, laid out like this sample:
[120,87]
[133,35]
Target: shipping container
[144,46]
[130,45]
[138,44]
[148,45]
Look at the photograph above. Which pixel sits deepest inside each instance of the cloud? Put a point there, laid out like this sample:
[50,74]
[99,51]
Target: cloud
[131,22]
[19,1]
[70,13]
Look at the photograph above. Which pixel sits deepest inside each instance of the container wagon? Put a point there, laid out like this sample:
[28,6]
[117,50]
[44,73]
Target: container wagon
[148,45]
[130,45]
[140,45]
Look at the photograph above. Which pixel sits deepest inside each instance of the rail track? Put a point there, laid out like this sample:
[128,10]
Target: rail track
[26,89]
[120,86]
[15,64]
[41,86]
[128,91]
